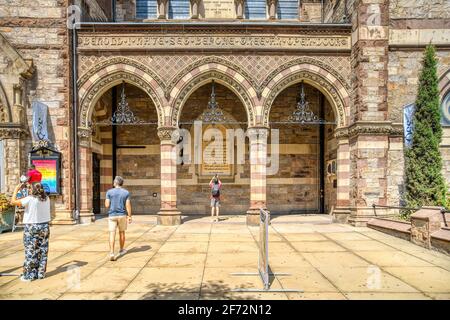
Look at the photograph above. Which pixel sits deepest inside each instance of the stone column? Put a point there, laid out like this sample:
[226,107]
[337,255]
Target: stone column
[369,129]
[168,214]
[194,8]
[258,162]
[162,9]
[85,175]
[239,8]
[342,211]
[272,8]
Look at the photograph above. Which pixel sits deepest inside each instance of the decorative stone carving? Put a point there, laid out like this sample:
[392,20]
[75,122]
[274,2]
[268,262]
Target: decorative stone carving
[216,75]
[258,134]
[13,132]
[305,60]
[84,136]
[162,9]
[87,100]
[120,60]
[194,8]
[229,41]
[239,8]
[370,128]
[3,113]
[272,4]
[201,62]
[168,134]
[297,77]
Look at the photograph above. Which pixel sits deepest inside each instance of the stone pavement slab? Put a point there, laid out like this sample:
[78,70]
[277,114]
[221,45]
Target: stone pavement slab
[194,261]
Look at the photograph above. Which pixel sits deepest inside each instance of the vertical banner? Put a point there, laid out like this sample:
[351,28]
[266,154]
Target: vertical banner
[408,124]
[39,121]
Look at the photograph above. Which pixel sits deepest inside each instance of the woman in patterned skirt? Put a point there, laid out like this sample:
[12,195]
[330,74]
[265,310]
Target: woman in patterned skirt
[36,231]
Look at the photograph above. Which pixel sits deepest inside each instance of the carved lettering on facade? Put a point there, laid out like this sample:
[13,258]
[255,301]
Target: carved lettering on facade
[98,42]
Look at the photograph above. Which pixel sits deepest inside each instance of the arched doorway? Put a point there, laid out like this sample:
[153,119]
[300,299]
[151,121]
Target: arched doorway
[130,150]
[210,140]
[306,181]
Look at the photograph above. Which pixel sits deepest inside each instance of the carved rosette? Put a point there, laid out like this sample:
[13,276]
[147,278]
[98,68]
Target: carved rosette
[168,134]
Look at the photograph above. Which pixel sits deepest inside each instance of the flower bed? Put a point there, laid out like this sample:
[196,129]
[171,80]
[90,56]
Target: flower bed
[6,214]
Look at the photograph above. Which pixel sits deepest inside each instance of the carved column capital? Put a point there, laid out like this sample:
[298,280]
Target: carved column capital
[84,137]
[168,135]
[258,134]
[13,132]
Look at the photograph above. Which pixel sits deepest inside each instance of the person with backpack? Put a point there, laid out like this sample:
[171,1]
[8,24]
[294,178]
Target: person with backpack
[36,230]
[215,184]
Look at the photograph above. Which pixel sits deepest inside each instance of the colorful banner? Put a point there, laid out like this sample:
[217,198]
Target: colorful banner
[48,169]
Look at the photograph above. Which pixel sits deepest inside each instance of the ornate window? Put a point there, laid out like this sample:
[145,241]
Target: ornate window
[256,9]
[146,9]
[288,9]
[445,110]
[179,9]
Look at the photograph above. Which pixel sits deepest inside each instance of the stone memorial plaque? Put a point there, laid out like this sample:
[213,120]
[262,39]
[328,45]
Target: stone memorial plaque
[219,9]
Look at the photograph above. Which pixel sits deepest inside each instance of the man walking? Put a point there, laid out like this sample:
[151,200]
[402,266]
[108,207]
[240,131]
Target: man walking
[119,204]
[215,184]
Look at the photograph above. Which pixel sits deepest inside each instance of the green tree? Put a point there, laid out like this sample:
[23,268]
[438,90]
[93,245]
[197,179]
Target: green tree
[425,184]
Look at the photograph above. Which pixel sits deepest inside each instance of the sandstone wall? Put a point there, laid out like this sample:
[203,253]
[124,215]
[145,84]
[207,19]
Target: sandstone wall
[41,34]
[419,9]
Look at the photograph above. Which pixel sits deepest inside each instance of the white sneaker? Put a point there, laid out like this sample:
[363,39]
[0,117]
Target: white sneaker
[122,252]
[24,280]
[112,257]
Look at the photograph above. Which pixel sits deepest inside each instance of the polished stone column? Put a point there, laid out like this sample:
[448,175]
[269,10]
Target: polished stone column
[168,214]
[162,9]
[239,8]
[272,4]
[258,162]
[85,176]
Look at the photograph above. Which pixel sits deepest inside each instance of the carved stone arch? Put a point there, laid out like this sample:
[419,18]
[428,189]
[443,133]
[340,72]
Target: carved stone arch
[116,64]
[324,68]
[225,76]
[5,109]
[206,62]
[90,96]
[327,84]
[444,83]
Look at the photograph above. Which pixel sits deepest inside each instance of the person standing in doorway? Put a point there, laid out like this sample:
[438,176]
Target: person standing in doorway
[119,204]
[33,174]
[215,184]
[36,230]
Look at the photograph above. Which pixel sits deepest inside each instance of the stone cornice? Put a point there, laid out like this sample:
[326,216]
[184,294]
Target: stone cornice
[384,128]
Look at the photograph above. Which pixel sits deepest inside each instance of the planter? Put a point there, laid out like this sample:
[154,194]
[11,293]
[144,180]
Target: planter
[6,220]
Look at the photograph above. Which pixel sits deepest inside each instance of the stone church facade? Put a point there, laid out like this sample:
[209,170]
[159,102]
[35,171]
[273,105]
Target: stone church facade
[357,63]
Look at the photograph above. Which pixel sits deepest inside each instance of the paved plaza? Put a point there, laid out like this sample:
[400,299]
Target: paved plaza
[195,260]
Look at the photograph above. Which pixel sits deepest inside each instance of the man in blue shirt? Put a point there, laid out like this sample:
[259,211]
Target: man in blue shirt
[119,204]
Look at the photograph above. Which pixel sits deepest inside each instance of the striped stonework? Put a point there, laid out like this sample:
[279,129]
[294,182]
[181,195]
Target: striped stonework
[326,82]
[168,214]
[85,162]
[258,161]
[343,174]
[202,74]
